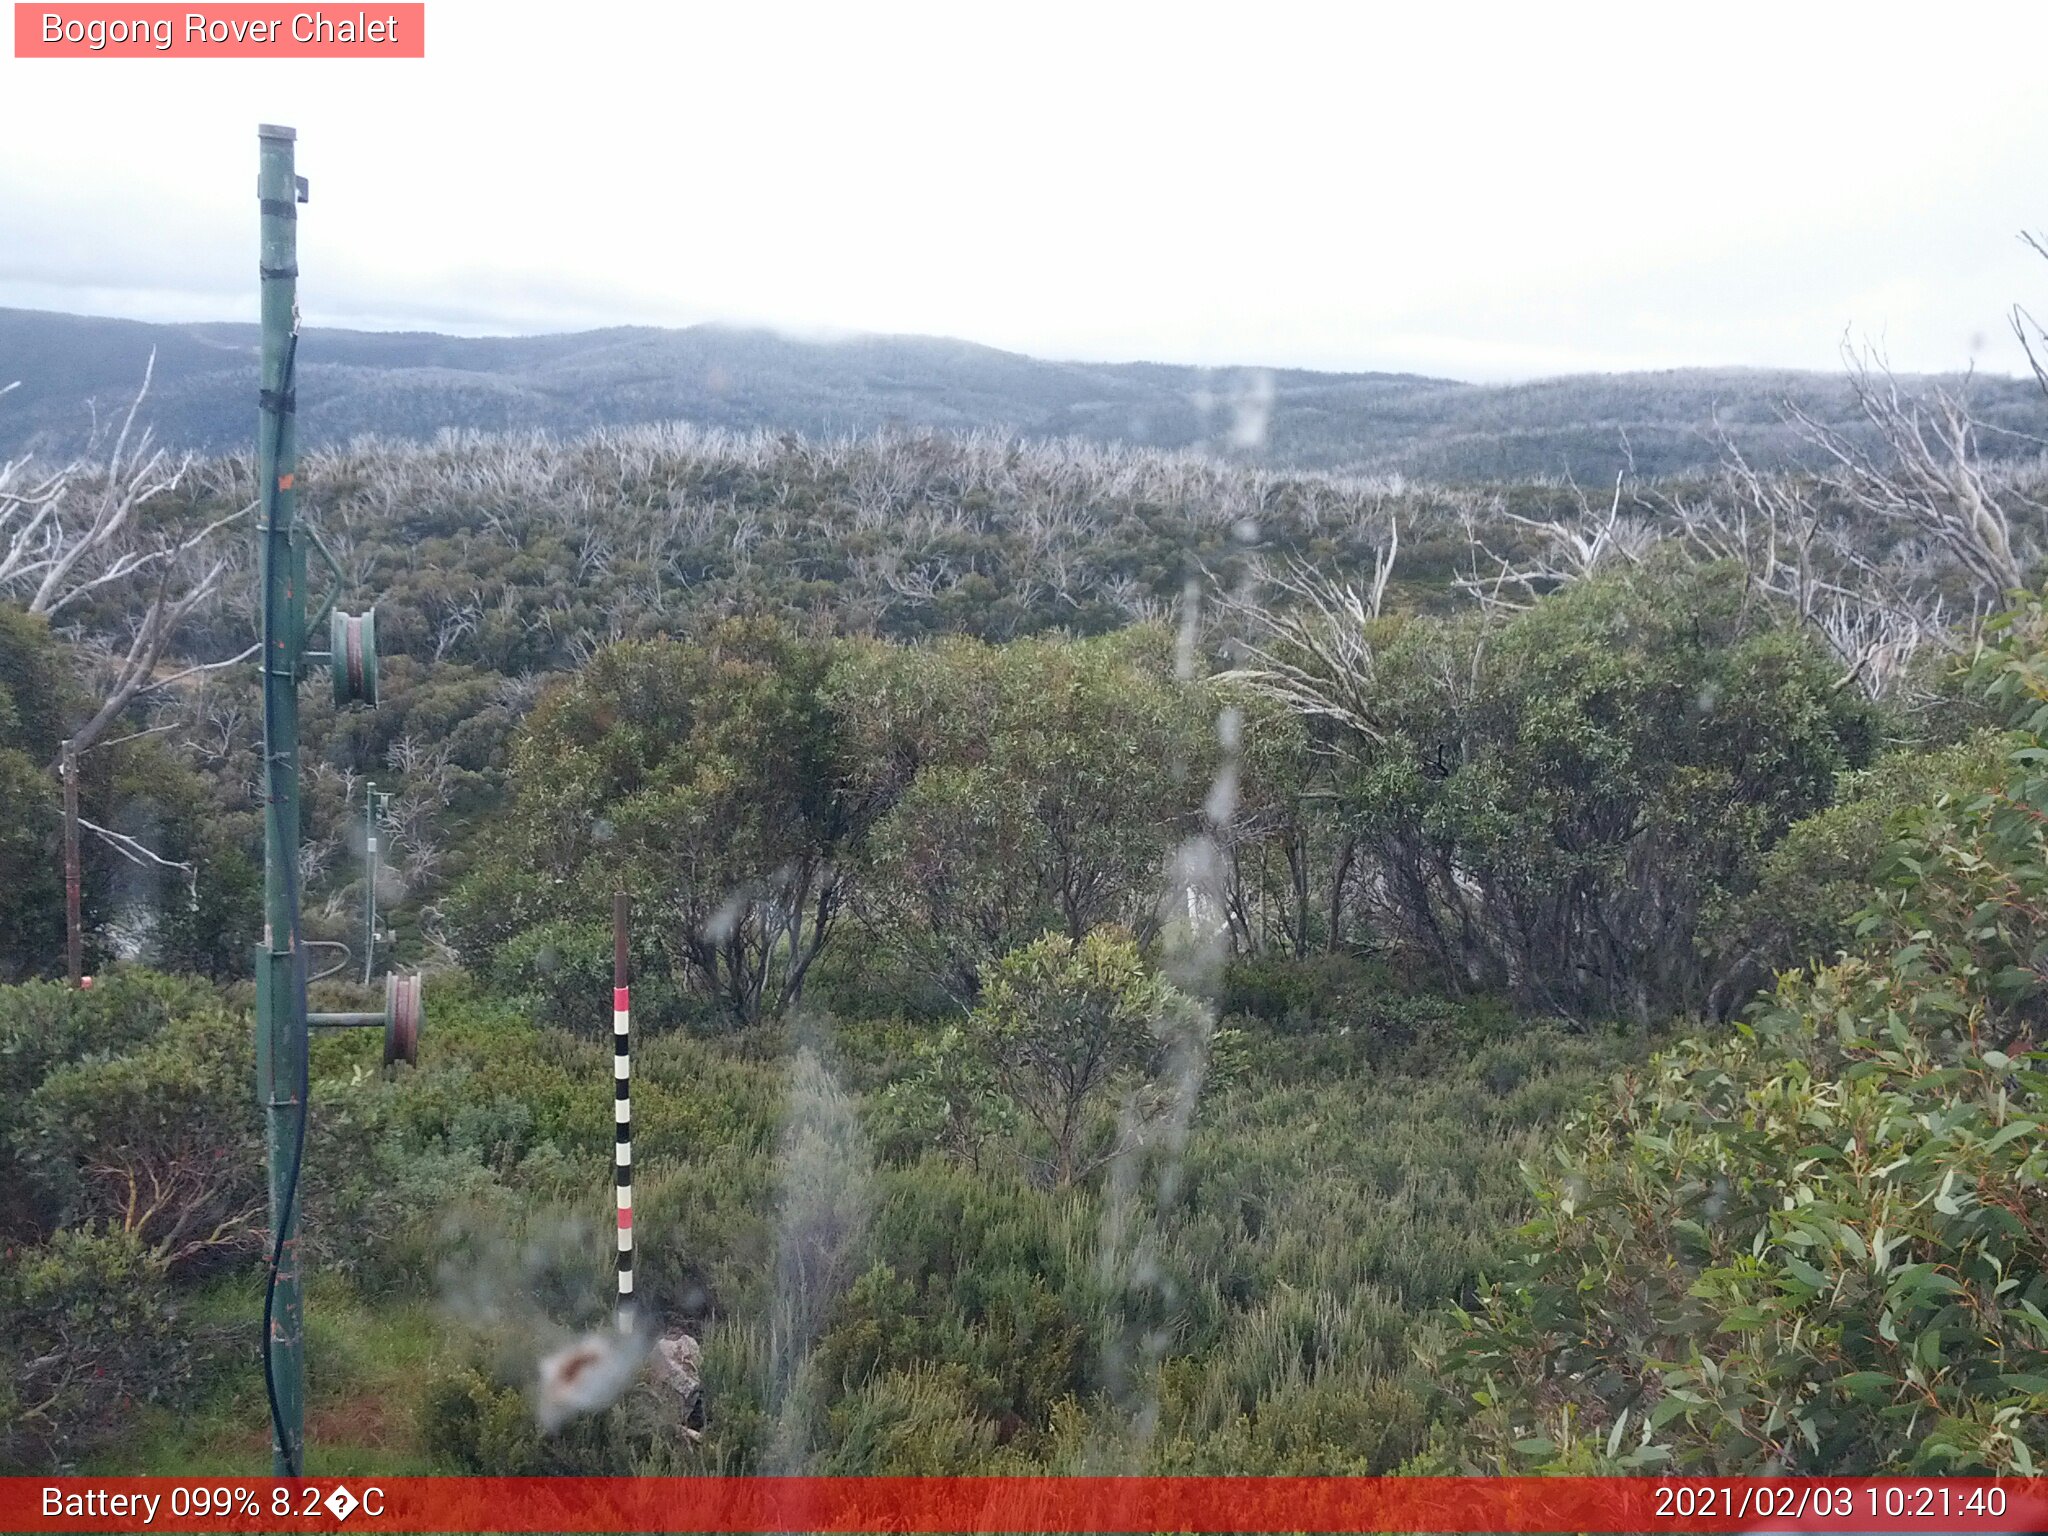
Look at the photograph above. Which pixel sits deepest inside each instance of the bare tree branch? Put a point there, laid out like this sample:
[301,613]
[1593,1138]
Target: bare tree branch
[1931,480]
[135,853]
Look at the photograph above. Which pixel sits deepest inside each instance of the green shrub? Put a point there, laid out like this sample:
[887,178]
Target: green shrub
[983,1273]
[1805,1249]
[87,1330]
[1302,995]
[560,973]
[47,1024]
[160,1137]
[948,1099]
[1318,1422]
[704,1233]
[474,1420]
[917,1422]
[1816,1246]
[1811,886]
[709,778]
[1332,1015]
[473,1423]
[44,1024]
[1062,1027]
[1024,787]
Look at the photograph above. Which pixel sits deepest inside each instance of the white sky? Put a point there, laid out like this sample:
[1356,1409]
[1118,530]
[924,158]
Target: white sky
[1480,191]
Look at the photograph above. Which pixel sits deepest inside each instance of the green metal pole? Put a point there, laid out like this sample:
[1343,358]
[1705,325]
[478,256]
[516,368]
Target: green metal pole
[370,891]
[280,1024]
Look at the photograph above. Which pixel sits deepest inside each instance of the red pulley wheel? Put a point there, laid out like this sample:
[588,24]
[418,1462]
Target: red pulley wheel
[352,657]
[403,1010]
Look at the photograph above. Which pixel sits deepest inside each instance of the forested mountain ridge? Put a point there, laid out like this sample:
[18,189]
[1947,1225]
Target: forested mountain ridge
[415,384]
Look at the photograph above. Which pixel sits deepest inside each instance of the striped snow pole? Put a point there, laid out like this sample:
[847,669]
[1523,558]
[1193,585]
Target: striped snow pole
[622,1087]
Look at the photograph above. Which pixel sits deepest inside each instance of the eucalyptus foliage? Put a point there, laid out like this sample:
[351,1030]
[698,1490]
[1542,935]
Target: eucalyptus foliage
[1818,1244]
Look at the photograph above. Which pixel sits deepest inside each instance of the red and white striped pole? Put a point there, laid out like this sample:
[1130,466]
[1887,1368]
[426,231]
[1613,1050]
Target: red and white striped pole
[622,1087]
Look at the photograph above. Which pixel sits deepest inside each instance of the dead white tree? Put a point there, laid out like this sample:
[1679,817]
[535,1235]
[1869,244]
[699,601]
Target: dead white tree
[2031,333]
[458,621]
[1874,615]
[1929,477]
[1806,541]
[75,530]
[1859,551]
[1566,551]
[80,532]
[1310,646]
[28,498]
[923,583]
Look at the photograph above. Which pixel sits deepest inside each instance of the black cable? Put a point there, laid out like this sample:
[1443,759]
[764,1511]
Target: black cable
[273,764]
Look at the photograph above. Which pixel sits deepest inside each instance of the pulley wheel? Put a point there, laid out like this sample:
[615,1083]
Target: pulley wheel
[403,1012]
[352,656]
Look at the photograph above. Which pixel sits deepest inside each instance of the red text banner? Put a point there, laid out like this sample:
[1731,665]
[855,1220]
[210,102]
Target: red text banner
[1024,1504]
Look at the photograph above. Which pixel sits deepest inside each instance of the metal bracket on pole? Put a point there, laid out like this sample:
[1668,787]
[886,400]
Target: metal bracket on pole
[404,1012]
[334,569]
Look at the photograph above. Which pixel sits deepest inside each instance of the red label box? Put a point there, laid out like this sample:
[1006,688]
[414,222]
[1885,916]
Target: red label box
[224,31]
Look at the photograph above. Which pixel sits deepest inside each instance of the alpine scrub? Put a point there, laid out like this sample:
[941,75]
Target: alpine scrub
[1817,1243]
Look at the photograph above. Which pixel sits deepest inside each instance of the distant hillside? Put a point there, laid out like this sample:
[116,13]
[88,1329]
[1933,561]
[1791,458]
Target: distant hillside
[414,384]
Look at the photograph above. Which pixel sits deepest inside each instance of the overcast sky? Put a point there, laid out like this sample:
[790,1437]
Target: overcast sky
[1484,192]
